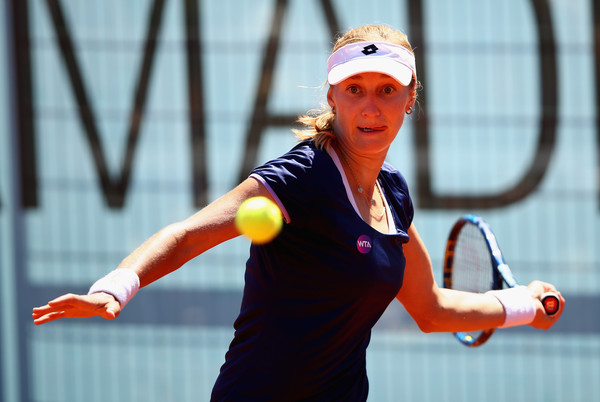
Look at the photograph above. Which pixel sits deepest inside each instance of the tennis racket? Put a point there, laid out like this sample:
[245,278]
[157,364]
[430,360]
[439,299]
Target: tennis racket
[473,262]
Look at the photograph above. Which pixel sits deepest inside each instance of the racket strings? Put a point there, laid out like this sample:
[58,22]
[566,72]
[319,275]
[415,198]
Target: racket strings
[472,267]
[472,271]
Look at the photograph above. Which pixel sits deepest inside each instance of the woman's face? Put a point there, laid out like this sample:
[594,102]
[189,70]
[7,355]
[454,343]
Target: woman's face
[370,109]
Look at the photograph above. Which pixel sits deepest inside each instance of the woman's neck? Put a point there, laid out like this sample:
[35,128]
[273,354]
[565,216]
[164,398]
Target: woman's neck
[363,170]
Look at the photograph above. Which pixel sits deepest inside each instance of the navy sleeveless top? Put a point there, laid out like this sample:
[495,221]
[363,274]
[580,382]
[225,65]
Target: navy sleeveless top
[312,295]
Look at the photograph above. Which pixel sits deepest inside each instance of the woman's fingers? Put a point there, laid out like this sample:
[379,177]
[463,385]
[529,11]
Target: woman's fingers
[77,306]
[42,319]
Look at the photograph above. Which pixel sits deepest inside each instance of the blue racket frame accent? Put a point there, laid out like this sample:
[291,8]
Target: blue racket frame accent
[497,258]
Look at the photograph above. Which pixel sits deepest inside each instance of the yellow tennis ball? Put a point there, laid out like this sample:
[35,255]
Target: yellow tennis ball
[259,219]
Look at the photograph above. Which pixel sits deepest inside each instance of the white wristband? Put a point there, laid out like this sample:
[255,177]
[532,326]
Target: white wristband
[518,304]
[122,283]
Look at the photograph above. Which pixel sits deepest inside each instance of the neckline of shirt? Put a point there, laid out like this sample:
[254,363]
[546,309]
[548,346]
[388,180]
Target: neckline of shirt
[338,164]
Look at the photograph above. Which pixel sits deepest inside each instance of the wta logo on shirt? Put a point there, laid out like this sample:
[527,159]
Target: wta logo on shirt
[364,244]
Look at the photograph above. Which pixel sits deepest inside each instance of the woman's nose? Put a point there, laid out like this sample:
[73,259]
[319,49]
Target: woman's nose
[370,108]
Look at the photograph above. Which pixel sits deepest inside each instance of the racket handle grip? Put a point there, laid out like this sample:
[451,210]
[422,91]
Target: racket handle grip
[551,303]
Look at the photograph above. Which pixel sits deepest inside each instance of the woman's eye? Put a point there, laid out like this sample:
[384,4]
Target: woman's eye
[388,90]
[353,89]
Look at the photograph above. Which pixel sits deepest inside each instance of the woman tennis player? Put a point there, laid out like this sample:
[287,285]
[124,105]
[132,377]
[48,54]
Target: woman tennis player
[347,249]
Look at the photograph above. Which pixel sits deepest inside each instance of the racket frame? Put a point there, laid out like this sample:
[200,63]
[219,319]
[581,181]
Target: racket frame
[500,270]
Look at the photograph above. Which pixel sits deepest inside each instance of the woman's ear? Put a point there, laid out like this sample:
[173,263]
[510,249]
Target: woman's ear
[413,94]
[330,100]
[412,97]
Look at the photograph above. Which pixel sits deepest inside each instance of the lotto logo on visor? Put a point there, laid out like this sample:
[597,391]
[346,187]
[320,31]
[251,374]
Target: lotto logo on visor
[377,57]
[369,49]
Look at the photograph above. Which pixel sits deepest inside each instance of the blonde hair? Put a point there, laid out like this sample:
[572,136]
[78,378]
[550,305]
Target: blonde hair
[319,124]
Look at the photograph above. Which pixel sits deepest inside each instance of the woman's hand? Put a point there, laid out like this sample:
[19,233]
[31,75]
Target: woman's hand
[543,320]
[77,306]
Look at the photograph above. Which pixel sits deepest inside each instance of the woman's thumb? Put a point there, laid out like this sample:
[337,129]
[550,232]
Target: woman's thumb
[112,310]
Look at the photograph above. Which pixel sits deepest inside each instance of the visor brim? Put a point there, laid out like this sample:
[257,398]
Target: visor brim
[401,73]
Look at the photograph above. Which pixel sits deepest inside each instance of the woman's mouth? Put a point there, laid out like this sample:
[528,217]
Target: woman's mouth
[371,129]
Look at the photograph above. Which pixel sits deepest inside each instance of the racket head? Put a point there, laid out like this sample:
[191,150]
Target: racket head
[471,264]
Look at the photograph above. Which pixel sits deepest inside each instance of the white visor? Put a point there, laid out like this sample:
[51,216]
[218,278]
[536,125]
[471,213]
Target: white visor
[371,57]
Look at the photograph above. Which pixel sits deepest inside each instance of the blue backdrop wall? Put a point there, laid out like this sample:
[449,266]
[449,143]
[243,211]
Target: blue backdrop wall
[118,118]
